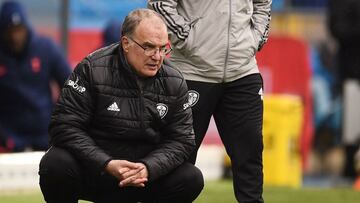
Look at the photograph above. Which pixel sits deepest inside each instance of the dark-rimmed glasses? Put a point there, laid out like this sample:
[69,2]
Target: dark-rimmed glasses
[151,51]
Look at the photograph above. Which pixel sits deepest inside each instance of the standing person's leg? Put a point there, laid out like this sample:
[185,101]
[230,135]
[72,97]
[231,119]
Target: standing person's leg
[239,118]
[204,99]
[351,129]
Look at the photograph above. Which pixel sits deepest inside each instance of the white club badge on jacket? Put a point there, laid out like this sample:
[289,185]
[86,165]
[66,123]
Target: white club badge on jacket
[162,109]
[193,98]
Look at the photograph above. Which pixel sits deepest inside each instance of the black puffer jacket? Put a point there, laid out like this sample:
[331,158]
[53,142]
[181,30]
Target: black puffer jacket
[105,112]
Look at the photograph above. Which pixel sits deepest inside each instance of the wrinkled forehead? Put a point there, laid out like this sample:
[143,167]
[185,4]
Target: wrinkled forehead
[152,29]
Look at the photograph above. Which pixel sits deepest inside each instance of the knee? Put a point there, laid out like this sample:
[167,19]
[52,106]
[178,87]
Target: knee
[193,179]
[57,165]
[60,178]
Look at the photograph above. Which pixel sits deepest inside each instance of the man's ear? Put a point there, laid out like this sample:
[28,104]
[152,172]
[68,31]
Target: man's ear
[125,43]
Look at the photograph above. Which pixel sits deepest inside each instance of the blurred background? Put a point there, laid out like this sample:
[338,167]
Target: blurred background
[311,119]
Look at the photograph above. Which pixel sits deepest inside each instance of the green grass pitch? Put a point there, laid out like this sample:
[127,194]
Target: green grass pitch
[221,192]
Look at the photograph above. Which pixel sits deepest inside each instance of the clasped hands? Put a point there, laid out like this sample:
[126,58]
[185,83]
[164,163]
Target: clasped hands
[128,173]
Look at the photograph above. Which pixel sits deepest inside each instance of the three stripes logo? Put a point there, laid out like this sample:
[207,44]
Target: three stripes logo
[113,107]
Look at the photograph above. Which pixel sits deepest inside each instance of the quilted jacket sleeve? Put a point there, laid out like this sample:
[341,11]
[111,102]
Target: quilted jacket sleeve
[72,116]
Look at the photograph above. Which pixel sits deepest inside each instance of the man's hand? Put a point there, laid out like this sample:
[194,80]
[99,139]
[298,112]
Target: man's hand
[128,173]
[137,180]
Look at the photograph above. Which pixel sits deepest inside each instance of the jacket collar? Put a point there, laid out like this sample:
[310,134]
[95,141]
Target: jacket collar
[123,62]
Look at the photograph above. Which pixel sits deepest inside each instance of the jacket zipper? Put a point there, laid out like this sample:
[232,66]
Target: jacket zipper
[141,97]
[228,43]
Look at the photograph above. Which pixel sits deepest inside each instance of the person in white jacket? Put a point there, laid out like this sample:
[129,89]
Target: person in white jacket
[215,42]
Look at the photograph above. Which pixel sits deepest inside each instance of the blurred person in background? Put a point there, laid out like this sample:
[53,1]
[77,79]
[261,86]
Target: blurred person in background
[28,62]
[327,107]
[344,25]
[122,130]
[215,43]
[111,32]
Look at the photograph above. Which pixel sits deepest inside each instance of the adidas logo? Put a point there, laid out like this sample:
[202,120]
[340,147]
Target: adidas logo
[261,93]
[113,107]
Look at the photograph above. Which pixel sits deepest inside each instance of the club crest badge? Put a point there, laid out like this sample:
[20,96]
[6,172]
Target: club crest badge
[162,109]
[193,98]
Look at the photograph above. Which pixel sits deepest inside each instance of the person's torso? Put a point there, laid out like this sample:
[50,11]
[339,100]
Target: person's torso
[129,114]
[221,45]
[26,99]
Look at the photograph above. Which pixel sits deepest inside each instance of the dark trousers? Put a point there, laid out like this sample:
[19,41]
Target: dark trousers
[64,180]
[237,108]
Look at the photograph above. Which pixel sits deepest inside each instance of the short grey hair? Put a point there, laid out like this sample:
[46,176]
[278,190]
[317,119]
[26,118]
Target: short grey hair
[133,19]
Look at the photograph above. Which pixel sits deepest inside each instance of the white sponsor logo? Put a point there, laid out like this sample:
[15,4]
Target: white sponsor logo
[113,107]
[75,85]
[261,93]
[162,109]
[193,98]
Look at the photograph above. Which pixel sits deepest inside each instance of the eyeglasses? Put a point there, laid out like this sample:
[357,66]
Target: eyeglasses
[151,51]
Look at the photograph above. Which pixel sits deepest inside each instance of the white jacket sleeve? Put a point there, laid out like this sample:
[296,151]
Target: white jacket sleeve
[261,19]
[178,26]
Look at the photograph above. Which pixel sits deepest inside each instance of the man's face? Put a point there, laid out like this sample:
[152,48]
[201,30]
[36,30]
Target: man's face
[15,37]
[150,33]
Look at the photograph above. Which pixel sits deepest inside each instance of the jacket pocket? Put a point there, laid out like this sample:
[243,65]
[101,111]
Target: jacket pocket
[184,46]
[256,39]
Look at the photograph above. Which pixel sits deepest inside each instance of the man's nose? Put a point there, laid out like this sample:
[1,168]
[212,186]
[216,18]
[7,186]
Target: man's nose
[157,55]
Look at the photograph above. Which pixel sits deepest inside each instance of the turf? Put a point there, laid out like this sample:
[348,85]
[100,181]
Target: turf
[221,192]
